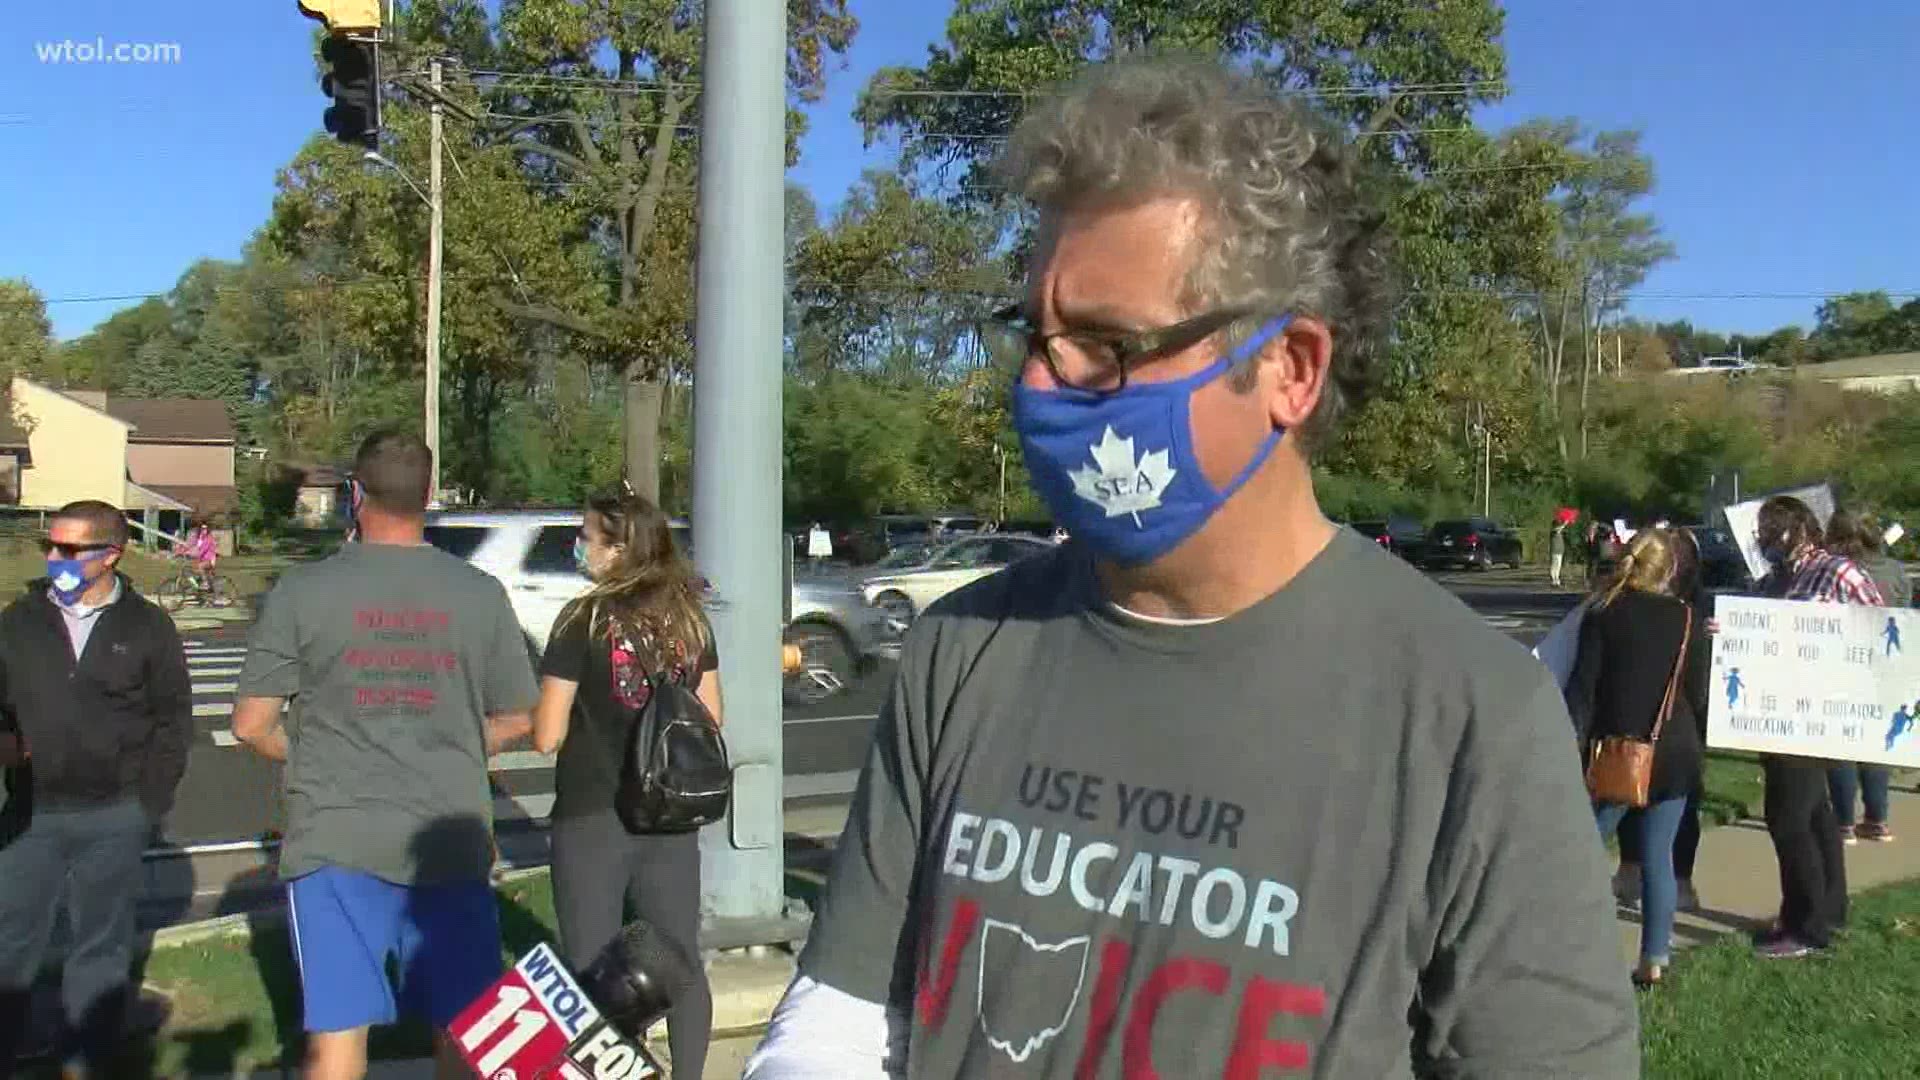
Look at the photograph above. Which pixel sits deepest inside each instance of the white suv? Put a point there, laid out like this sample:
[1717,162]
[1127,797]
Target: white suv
[531,553]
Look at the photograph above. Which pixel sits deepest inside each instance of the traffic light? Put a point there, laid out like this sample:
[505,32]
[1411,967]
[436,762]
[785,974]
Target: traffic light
[344,15]
[352,57]
[353,82]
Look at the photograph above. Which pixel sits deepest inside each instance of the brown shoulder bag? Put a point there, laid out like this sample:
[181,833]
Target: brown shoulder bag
[1620,768]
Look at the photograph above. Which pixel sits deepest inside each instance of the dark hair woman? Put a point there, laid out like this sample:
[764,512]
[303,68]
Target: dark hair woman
[642,616]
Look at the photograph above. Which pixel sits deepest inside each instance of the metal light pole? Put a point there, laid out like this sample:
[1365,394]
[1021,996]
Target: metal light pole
[436,199]
[736,451]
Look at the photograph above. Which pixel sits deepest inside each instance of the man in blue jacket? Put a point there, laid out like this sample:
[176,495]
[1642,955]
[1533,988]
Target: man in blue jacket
[94,721]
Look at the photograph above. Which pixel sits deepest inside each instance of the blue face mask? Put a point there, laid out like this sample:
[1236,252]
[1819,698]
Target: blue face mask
[580,556]
[1118,470]
[69,578]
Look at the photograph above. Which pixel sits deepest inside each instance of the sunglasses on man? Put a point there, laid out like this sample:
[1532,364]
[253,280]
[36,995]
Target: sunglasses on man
[72,551]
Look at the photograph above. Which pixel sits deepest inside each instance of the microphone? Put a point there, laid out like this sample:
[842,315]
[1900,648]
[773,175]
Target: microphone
[636,978]
[538,1022]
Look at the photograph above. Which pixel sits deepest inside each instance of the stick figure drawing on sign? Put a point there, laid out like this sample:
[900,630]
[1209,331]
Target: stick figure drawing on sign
[1902,721]
[1892,634]
[1734,686]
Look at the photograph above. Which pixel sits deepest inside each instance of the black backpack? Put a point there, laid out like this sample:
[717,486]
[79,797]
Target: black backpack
[674,776]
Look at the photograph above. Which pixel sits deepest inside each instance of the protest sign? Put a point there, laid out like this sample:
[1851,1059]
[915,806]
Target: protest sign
[1816,680]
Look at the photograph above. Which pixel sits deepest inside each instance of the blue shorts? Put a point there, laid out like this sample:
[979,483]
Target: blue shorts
[348,926]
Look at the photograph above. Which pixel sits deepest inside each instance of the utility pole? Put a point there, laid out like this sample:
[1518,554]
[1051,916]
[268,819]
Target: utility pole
[436,202]
[740,287]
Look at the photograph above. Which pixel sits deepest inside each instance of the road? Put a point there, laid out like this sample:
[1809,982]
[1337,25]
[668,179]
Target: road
[229,795]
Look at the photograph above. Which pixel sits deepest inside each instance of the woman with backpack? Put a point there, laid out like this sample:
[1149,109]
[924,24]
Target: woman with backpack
[640,621]
[1641,677]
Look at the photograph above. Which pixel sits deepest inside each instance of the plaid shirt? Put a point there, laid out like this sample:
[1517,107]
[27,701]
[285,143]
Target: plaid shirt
[1826,578]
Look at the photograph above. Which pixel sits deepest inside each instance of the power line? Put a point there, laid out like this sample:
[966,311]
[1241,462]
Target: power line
[817,285]
[546,80]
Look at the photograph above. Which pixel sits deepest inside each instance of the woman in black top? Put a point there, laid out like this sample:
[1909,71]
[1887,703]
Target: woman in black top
[1690,585]
[642,615]
[1629,644]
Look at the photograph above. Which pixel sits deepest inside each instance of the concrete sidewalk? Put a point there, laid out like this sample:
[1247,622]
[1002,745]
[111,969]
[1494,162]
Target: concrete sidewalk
[1738,879]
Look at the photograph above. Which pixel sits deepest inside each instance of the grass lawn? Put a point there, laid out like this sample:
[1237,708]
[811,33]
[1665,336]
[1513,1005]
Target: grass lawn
[1734,788]
[236,1003]
[1855,1013]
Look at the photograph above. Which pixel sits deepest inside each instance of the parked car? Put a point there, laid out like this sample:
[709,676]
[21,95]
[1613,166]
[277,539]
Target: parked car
[1471,543]
[531,553]
[906,582]
[1398,533]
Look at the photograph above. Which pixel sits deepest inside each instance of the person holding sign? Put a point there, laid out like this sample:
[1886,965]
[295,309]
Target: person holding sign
[1857,537]
[1642,675]
[1800,813]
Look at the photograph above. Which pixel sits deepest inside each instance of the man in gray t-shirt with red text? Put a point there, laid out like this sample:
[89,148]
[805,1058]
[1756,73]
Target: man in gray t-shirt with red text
[1217,789]
[410,670]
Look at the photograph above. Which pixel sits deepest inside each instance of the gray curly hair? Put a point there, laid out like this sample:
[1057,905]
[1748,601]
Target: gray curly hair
[1286,225]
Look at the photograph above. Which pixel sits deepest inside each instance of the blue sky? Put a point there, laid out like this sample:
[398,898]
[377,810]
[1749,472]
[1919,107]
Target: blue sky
[1782,138]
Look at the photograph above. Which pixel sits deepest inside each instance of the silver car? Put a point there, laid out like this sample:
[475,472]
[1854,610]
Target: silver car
[531,552]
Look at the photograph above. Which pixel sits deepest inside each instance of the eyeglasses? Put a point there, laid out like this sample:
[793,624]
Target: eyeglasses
[72,551]
[1091,359]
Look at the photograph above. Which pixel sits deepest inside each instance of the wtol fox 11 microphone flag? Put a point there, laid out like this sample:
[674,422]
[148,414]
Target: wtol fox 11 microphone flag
[536,1023]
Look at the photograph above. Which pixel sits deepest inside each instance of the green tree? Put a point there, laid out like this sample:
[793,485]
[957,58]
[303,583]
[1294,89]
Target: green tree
[100,358]
[888,288]
[603,112]
[1360,60]
[26,334]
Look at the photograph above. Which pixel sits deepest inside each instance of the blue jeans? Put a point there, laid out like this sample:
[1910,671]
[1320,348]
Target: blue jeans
[1868,781]
[1659,891]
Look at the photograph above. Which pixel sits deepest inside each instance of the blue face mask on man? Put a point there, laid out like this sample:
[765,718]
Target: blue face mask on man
[1118,470]
[67,572]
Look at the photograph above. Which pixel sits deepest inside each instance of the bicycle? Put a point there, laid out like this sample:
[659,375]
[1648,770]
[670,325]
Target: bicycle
[189,586]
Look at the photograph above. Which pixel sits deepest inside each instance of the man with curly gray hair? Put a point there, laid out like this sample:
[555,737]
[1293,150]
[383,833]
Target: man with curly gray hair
[1215,789]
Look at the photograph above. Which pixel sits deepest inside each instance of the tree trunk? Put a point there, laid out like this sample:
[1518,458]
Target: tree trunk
[641,410]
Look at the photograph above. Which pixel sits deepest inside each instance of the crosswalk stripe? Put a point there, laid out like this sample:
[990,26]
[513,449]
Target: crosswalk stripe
[513,806]
[215,687]
[520,761]
[211,672]
[224,737]
[213,708]
[215,650]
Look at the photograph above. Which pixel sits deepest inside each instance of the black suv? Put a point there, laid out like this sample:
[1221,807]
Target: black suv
[1399,534]
[1471,543]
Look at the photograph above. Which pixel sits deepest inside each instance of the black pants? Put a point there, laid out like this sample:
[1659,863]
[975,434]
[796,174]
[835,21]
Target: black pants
[598,865]
[1685,846]
[1806,840]
[91,858]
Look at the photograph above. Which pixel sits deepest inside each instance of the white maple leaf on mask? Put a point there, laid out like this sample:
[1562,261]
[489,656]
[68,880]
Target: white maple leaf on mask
[1119,483]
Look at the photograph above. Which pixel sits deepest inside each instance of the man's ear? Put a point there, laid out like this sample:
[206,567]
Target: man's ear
[1294,368]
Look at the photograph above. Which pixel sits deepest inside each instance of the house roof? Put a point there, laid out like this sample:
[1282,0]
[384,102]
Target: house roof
[1886,365]
[202,498]
[202,420]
